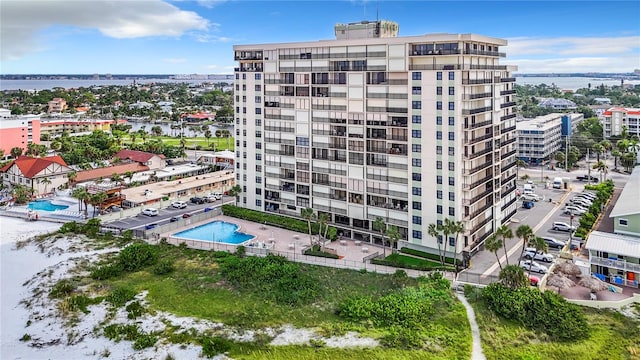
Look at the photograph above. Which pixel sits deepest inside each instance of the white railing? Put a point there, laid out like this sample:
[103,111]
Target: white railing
[618,264]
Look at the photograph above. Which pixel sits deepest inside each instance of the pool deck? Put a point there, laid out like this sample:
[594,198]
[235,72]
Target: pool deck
[290,241]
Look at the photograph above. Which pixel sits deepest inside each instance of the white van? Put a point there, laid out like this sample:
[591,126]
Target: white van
[527,189]
[557,183]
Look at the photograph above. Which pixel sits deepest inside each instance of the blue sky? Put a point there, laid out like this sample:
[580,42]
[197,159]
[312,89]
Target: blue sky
[185,37]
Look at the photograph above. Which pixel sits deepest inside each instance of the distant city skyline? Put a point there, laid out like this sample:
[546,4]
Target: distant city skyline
[196,37]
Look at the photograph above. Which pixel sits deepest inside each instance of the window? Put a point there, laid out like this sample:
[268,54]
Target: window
[452,90]
[417,234]
[623,222]
[416,104]
[244,109]
[302,141]
[452,105]
[416,162]
[416,119]
[258,156]
[439,194]
[258,203]
[438,120]
[416,76]
[452,241]
[416,191]
[452,135]
[452,121]
[452,75]
[417,205]
[452,181]
[452,166]
[258,88]
[258,76]
[439,165]
[438,135]
[258,99]
[237,76]
[416,90]
[439,237]
[439,75]
[258,111]
[416,177]
[452,150]
[417,220]
[416,148]
[244,76]
[439,90]
[258,133]
[439,105]
[438,150]
[258,180]
[439,209]
[452,196]
[258,191]
[439,179]
[416,134]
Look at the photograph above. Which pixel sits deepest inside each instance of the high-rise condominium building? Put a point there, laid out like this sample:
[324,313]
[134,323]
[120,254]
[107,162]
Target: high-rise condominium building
[413,130]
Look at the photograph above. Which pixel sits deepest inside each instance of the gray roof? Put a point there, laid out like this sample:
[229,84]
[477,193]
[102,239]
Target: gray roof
[629,200]
[614,243]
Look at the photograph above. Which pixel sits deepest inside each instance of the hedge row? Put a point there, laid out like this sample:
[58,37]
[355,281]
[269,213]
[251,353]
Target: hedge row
[403,265]
[280,221]
[427,255]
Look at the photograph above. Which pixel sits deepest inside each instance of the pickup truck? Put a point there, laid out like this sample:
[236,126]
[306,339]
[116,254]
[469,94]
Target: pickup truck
[586,178]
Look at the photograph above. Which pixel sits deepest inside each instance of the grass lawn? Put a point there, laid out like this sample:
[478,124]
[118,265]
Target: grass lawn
[197,289]
[410,260]
[613,336]
[220,143]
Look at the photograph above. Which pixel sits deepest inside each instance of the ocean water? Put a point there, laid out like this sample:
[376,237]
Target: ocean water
[572,83]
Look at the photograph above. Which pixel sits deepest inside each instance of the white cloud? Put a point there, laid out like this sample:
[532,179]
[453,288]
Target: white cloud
[22,20]
[175,60]
[574,54]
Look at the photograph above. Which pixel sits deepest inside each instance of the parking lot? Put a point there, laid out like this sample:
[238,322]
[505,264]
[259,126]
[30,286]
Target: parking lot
[547,210]
[165,213]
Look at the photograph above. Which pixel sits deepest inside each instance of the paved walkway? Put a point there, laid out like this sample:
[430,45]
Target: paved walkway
[476,342]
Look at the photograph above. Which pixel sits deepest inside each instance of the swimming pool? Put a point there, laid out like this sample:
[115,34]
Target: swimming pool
[45,205]
[216,231]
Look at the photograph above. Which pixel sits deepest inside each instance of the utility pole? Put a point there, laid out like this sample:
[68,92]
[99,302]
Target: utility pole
[566,155]
[588,169]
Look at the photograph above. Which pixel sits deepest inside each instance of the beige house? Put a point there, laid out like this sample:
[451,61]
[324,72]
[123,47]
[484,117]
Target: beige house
[153,161]
[43,175]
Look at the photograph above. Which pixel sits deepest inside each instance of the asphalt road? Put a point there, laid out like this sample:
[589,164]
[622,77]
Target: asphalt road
[542,215]
[165,214]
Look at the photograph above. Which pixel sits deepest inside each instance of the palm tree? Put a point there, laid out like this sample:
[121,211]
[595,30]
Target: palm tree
[79,193]
[129,175]
[629,160]
[432,230]
[394,236]
[72,176]
[601,167]
[235,192]
[524,232]
[540,245]
[616,155]
[559,157]
[380,225]
[606,144]
[207,135]
[505,233]
[323,219]
[520,164]
[45,180]
[493,244]
[96,200]
[116,178]
[598,149]
[132,137]
[183,145]
[15,152]
[455,228]
[307,214]
[514,277]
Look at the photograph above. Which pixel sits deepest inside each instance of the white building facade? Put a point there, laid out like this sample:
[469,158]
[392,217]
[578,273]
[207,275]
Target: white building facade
[540,138]
[413,130]
[615,119]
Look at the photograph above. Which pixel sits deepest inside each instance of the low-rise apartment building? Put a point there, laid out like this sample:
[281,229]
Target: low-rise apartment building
[615,119]
[540,138]
[18,131]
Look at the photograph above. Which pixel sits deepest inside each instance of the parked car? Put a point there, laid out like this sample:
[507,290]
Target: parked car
[531,197]
[589,195]
[197,200]
[562,226]
[586,178]
[186,215]
[582,201]
[554,243]
[534,266]
[150,226]
[534,280]
[211,198]
[179,204]
[574,210]
[532,254]
[150,212]
[174,219]
[217,195]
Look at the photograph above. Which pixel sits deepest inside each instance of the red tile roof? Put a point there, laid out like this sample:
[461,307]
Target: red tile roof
[107,172]
[30,166]
[135,155]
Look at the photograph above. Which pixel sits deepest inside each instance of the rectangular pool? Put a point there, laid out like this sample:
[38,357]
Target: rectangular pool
[216,231]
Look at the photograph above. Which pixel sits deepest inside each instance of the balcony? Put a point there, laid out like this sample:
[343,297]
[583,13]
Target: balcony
[476,154]
[506,130]
[508,203]
[507,104]
[475,199]
[480,225]
[478,125]
[249,68]
[616,264]
[512,164]
[476,81]
[512,152]
[507,92]
[478,168]
[484,53]
[509,79]
[476,110]
[476,140]
[425,52]
[477,96]
[480,210]
[507,117]
[475,184]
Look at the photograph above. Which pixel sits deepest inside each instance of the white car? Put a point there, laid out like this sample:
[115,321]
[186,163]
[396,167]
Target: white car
[531,196]
[530,253]
[562,226]
[179,204]
[534,266]
[150,212]
[574,210]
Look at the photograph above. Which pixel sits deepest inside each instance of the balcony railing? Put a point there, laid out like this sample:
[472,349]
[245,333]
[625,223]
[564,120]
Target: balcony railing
[507,104]
[475,184]
[477,96]
[617,264]
[512,152]
[507,117]
[506,130]
[477,125]
[476,81]
[508,203]
[475,199]
[509,79]
[480,138]
[485,53]
[479,153]
[507,92]
[480,225]
[476,110]
[478,168]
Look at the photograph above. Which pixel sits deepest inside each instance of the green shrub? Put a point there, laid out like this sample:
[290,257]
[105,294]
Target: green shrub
[402,338]
[315,251]
[427,255]
[120,296]
[78,302]
[547,312]
[61,289]
[143,341]
[163,267]
[25,337]
[212,346]
[105,272]
[117,332]
[411,263]
[135,310]
[136,256]
[70,227]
